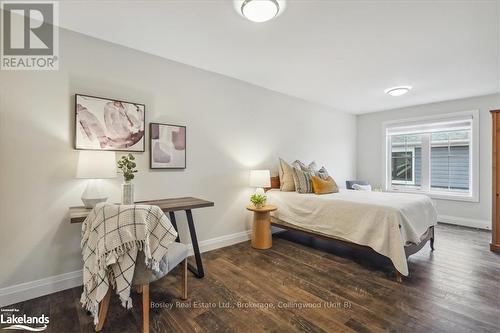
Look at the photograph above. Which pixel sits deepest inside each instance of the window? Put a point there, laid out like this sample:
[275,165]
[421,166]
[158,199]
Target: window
[405,159]
[403,167]
[450,161]
[437,155]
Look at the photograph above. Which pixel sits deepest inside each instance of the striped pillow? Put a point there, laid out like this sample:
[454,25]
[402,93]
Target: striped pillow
[302,180]
[298,164]
[312,168]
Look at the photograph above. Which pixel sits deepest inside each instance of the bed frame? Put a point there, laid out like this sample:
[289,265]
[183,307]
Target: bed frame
[409,249]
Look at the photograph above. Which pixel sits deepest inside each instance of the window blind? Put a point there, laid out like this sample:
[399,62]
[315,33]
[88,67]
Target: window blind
[464,123]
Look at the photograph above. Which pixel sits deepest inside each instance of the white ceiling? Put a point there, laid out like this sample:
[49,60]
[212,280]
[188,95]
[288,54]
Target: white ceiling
[339,53]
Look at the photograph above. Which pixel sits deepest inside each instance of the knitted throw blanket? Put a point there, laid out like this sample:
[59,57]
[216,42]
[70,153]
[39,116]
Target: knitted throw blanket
[111,237]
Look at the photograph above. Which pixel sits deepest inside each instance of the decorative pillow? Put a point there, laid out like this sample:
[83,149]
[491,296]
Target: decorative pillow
[312,168]
[299,164]
[302,181]
[321,186]
[358,187]
[323,173]
[286,177]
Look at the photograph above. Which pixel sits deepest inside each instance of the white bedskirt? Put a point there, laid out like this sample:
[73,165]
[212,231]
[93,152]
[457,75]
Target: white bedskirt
[386,222]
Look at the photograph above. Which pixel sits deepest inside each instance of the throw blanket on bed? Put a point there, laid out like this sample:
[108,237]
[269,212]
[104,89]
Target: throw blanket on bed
[111,237]
[386,222]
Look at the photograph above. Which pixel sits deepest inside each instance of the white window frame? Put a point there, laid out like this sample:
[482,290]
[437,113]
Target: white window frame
[425,188]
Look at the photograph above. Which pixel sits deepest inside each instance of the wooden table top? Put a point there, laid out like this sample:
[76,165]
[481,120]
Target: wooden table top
[78,214]
[266,208]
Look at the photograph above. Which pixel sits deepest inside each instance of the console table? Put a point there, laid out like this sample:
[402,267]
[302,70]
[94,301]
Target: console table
[170,206]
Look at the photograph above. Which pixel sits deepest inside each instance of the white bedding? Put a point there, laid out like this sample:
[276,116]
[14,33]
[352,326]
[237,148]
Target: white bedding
[386,222]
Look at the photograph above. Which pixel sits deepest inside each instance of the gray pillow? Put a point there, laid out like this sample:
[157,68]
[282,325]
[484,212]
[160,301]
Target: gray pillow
[323,173]
[312,168]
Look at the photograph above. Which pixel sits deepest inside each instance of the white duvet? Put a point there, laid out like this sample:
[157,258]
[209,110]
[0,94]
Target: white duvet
[386,222]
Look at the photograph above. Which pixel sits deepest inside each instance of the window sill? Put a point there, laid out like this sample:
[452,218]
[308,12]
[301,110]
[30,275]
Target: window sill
[438,195]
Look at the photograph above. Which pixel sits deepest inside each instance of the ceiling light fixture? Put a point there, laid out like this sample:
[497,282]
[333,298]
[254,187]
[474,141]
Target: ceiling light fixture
[260,10]
[397,91]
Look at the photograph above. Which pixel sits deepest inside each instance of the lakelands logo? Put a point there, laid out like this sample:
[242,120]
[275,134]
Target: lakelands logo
[30,39]
[23,322]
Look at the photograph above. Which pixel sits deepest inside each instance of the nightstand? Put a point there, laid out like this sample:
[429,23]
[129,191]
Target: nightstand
[261,230]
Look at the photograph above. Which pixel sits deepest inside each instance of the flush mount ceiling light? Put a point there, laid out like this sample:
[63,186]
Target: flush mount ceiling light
[259,10]
[398,91]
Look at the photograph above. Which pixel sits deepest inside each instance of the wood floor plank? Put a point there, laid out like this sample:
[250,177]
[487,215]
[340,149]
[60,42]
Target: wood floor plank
[461,309]
[301,278]
[279,293]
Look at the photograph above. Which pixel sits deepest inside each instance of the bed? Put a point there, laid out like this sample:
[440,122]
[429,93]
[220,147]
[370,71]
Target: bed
[395,225]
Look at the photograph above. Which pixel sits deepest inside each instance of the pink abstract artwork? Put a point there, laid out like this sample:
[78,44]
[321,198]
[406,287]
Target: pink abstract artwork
[104,124]
[168,146]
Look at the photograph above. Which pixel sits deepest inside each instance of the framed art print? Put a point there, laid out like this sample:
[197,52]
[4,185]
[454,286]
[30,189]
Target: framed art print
[167,146]
[108,124]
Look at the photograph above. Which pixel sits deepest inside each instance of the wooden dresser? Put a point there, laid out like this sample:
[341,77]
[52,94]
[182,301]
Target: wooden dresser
[495,228]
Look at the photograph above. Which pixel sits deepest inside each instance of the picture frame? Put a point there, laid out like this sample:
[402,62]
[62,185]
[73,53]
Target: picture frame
[109,124]
[167,146]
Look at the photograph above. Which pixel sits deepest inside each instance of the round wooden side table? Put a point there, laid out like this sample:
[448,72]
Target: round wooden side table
[261,230]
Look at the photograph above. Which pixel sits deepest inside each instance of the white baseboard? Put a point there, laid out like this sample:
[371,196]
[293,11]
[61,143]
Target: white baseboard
[29,290]
[466,222]
[222,241]
[33,289]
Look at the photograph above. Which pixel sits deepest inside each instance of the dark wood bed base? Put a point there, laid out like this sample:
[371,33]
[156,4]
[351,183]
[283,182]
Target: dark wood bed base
[409,249]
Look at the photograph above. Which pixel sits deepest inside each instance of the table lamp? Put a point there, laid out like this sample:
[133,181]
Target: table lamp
[260,179]
[95,165]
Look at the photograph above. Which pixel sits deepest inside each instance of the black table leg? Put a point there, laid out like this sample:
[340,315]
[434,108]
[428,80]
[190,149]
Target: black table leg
[174,223]
[198,270]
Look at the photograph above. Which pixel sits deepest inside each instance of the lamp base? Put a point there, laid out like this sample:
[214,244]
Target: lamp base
[259,190]
[91,203]
[93,194]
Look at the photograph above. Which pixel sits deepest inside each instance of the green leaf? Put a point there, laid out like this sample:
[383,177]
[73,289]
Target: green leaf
[258,199]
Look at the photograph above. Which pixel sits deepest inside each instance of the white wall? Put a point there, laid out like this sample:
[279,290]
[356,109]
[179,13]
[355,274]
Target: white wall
[370,143]
[232,127]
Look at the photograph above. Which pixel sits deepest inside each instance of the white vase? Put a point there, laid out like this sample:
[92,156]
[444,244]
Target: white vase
[127,193]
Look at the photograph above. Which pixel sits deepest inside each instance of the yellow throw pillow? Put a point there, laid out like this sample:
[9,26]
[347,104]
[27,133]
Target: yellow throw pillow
[324,186]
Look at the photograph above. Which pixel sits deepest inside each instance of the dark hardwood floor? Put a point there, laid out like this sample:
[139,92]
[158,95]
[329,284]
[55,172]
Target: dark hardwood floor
[293,287]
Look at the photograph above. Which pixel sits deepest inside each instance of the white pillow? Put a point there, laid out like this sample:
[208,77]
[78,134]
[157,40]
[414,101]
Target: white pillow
[358,187]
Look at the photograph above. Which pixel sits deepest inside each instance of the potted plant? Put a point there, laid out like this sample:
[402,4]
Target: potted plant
[127,166]
[258,200]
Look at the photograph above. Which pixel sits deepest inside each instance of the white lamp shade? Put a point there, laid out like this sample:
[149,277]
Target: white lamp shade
[260,178]
[96,164]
